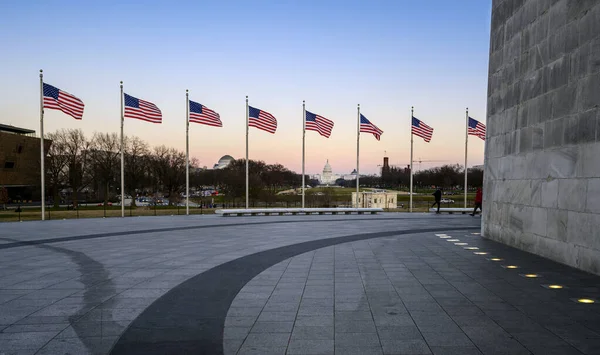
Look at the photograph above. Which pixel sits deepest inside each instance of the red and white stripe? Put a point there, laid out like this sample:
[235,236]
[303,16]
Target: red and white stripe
[478,131]
[66,103]
[321,125]
[147,111]
[423,131]
[371,128]
[264,121]
[207,117]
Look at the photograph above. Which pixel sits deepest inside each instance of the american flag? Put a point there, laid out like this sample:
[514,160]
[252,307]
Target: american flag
[421,129]
[367,127]
[204,115]
[319,124]
[62,100]
[476,128]
[261,120]
[142,110]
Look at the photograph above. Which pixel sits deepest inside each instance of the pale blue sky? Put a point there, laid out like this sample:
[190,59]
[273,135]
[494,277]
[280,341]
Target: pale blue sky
[385,55]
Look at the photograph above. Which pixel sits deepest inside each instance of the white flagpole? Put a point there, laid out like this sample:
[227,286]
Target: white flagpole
[247,181]
[357,153]
[410,205]
[187,152]
[42,155]
[466,147]
[122,158]
[303,139]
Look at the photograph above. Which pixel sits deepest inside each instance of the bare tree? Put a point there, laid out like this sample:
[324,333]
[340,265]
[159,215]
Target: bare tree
[56,164]
[169,166]
[77,149]
[3,197]
[137,156]
[104,158]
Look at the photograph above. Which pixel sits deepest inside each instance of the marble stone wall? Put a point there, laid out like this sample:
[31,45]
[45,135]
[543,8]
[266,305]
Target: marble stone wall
[542,156]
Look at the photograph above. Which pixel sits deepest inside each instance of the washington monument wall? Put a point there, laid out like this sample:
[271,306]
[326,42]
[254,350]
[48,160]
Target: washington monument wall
[542,165]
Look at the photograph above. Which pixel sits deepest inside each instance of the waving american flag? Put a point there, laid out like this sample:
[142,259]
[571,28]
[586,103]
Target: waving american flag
[318,123]
[476,128]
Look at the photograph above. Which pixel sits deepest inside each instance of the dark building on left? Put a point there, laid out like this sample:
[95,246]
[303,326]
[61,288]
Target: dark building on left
[20,163]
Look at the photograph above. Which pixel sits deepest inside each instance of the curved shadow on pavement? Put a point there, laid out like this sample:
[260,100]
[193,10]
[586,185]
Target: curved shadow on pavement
[190,318]
[92,273]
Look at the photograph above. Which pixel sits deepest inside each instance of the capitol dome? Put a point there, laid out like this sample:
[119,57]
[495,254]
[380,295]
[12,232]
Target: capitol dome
[224,162]
[327,168]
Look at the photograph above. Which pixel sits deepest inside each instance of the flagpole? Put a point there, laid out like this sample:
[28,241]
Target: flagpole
[122,159]
[303,141]
[247,181]
[187,152]
[466,147]
[357,153]
[42,155]
[410,206]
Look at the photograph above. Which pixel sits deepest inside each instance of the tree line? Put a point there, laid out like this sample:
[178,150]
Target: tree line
[82,168]
[90,168]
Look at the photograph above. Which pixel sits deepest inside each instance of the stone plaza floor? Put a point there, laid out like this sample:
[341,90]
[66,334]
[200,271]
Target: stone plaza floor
[383,284]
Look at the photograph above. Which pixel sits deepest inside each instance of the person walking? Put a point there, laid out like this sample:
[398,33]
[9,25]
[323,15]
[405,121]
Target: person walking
[438,199]
[478,201]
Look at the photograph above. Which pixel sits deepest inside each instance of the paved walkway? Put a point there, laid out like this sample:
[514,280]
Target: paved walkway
[386,284]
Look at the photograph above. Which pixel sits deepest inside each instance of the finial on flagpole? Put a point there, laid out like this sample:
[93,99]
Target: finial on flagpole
[186,91]
[303,102]
[41,71]
[121,84]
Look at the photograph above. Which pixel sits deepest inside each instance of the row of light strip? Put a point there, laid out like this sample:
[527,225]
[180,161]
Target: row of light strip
[529,276]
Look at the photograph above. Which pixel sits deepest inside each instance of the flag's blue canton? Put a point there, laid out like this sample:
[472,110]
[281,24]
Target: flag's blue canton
[253,112]
[364,120]
[415,122]
[50,91]
[472,123]
[311,116]
[195,107]
[131,101]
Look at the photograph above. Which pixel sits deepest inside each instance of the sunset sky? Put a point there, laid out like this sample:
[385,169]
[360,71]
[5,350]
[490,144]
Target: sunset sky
[385,55]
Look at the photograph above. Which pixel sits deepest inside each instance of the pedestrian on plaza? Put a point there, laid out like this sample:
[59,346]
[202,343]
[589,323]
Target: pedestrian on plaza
[478,201]
[438,199]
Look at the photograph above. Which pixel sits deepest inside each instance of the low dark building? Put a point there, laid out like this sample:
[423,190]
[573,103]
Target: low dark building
[20,162]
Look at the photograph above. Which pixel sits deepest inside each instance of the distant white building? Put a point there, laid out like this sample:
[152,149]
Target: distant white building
[224,162]
[375,200]
[329,178]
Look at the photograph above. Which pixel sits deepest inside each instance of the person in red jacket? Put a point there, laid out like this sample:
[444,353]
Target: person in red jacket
[478,201]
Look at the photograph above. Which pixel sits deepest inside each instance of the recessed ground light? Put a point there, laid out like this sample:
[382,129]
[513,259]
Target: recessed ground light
[480,253]
[510,266]
[445,236]
[530,276]
[476,233]
[471,248]
[461,243]
[554,287]
[441,235]
[453,240]
[584,300]
[496,259]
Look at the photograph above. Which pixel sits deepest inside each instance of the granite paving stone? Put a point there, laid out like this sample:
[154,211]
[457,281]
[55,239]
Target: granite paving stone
[298,289]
